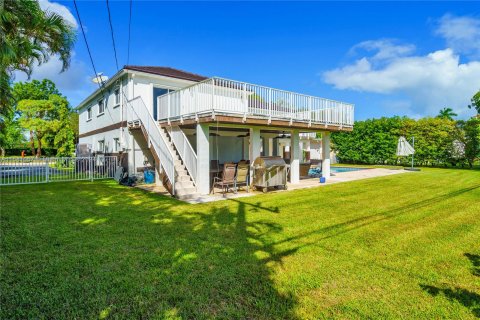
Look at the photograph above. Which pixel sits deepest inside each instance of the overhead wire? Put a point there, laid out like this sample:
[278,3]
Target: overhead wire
[100,82]
[129,28]
[111,32]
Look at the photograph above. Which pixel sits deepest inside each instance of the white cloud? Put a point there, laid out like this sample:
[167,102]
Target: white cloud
[60,10]
[462,34]
[74,82]
[431,82]
[385,49]
[428,82]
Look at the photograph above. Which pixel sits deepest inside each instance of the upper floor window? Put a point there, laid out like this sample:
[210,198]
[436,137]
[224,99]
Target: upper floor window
[101,107]
[117,96]
[89,113]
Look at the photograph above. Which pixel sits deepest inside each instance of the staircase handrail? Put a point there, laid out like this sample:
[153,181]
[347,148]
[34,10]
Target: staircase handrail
[185,150]
[139,111]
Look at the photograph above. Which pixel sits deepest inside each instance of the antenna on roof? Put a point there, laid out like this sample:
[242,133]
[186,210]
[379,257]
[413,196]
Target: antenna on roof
[100,78]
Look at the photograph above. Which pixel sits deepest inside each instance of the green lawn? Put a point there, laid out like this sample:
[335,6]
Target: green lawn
[404,246]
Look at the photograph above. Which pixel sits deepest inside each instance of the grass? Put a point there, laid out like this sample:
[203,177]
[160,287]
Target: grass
[403,246]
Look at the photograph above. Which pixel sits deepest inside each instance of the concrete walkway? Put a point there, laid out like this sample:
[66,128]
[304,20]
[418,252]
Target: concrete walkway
[303,184]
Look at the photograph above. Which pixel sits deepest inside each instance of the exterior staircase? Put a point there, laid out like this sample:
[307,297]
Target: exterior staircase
[184,187]
[175,176]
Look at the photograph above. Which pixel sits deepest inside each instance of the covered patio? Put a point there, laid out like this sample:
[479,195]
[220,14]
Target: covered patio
[217,144]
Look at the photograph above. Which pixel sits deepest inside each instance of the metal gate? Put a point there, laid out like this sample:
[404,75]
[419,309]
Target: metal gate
[15,171]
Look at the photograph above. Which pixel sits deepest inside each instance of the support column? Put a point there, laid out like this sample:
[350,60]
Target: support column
[326,154]
[270,147]
[295,157]
[254,148]
[203,159]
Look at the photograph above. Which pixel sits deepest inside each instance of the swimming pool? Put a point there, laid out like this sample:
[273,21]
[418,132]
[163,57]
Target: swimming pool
[316,172]
[345,169]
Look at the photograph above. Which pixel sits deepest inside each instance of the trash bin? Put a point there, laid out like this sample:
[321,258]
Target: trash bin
[323,179]
[149,176]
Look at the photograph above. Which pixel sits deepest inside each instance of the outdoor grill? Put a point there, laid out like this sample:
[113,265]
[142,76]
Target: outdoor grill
[269,172]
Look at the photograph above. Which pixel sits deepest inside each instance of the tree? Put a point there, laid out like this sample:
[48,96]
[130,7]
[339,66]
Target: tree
[11,135]
[372,141]
[29,36]
[64,140]
[38,117]
[475,102]
[472,140]
[447,113]
[34,90]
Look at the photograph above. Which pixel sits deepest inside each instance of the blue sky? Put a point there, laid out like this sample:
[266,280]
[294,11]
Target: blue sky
[388,58]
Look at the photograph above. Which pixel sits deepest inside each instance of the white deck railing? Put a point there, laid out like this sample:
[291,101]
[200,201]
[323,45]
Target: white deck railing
[137,111]
[185,149]
[217,95]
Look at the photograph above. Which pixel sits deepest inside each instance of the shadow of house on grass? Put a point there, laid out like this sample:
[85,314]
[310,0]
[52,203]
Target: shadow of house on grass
[475,260]
[469,299]
[151,257]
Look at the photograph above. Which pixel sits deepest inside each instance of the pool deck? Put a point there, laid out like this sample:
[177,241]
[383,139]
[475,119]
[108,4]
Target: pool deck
[338,177]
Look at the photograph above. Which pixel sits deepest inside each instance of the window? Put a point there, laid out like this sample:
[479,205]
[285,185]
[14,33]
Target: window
[116,144]
[101,146]
[117,97]
[101,107]
[89,114]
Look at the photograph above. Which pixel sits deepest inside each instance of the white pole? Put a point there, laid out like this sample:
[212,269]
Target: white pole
[413,145]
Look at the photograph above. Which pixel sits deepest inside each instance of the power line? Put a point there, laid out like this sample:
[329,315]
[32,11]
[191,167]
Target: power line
[100,83]
[111,31]
[129,27]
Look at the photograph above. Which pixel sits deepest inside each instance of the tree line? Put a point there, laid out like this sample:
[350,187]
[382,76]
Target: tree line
[439,141]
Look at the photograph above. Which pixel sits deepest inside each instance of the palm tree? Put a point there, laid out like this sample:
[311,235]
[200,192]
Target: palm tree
[447,113]
[28,36]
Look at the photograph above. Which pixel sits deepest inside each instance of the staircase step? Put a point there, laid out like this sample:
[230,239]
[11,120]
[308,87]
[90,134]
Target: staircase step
[182,178]
[184,184]
[180,170]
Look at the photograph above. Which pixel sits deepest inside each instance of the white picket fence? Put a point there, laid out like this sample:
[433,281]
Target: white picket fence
[14,171]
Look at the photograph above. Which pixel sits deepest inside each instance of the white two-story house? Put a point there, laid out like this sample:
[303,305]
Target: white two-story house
[180,123]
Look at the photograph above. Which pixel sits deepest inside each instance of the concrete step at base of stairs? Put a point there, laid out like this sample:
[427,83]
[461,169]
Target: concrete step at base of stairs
[185,191]
[188,196]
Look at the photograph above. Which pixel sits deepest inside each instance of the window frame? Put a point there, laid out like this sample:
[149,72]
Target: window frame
[89,113]
[116,145]
[115,96]
[101,102]
[101,143]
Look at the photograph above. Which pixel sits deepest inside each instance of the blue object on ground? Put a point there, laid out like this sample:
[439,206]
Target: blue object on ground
[323,179]
[149,176]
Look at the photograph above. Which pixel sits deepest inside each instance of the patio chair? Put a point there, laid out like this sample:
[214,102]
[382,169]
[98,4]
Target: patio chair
[227,180]
[242,176]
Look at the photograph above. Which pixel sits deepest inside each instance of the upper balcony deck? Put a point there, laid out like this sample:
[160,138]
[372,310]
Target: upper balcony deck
[224,100]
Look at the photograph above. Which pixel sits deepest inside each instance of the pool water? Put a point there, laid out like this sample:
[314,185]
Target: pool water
[345,169]
[317,172]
